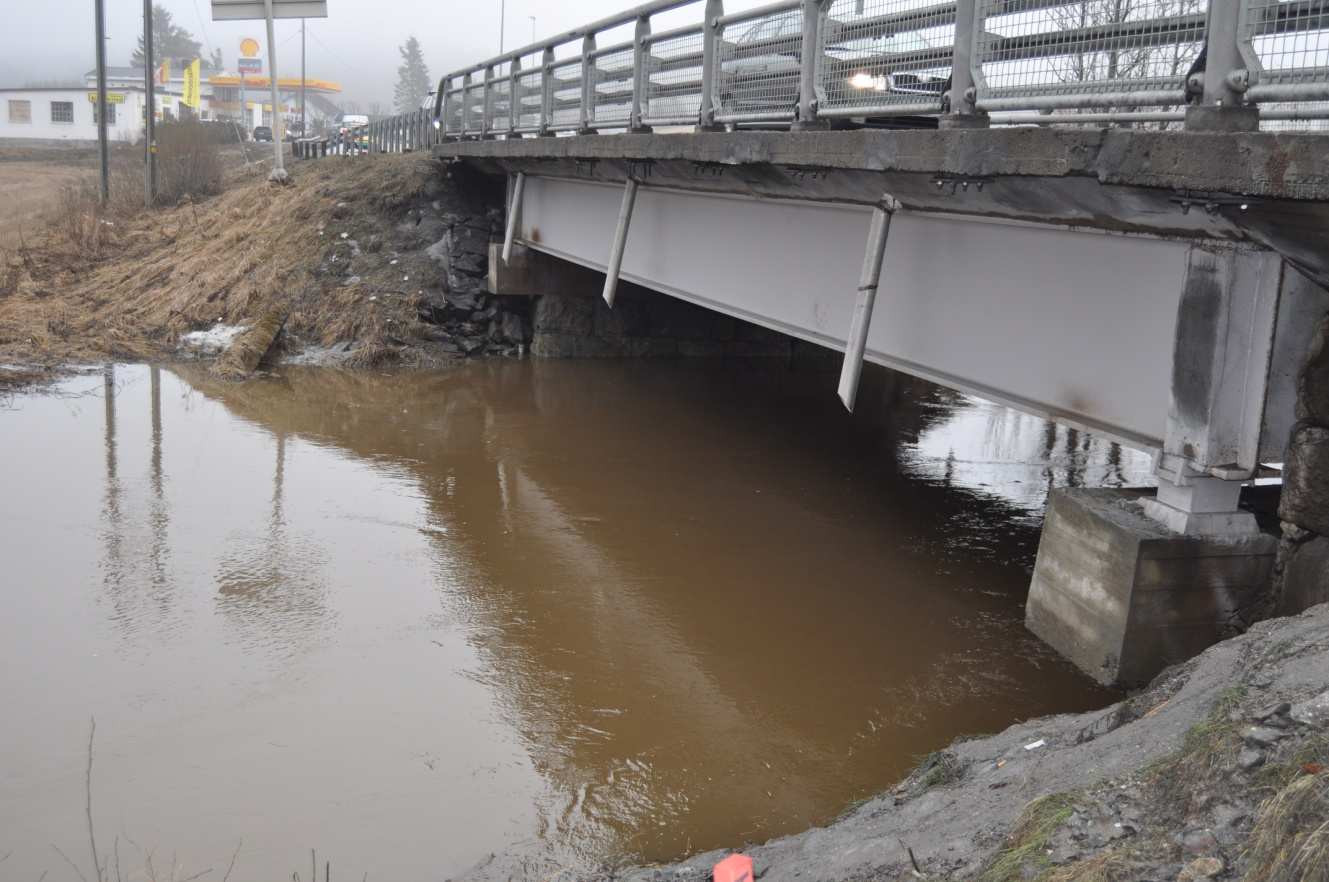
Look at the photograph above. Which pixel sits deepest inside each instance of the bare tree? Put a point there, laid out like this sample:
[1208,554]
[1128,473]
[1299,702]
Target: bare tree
[1099,59]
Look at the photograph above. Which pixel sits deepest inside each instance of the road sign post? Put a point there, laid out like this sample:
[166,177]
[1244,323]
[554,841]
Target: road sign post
[278,169]
[103,149]
[234,10]
[149,121]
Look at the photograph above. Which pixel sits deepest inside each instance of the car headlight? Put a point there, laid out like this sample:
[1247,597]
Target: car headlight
[862,80]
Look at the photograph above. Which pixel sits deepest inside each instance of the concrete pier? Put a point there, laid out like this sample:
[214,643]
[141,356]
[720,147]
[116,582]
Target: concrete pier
[1122,596]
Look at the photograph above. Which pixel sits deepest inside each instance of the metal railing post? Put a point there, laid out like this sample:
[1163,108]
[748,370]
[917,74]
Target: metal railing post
[710,37]
[961,101]
[514,96]
[641,73]
[620,242]
[1225,75]
[547,90]
[588,72]
[514,215]
[487,113]
[465,105]
[856,343]
[806,115]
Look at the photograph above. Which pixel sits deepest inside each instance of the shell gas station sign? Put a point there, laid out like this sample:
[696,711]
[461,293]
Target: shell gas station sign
[249,62]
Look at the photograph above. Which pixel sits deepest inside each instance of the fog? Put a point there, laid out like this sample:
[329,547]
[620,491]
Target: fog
[355,46]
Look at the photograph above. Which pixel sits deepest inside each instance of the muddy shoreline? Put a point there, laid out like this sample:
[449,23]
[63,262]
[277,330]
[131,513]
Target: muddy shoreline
[1218,770]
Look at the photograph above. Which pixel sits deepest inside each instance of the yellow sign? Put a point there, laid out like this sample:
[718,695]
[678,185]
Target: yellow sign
[191,94]
[164,73]
[249,47]
[111,97]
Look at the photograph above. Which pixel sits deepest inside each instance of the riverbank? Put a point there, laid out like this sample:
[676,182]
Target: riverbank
[1219,770]
[366,262]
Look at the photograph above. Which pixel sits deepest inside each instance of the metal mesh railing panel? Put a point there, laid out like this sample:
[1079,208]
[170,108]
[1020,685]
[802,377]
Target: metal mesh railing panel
[1300,116]
[1290,37]
[1088,46]
[673,86]
[759,63]
[567,95]
[885,55]
[613,88]
[526,99]
[453,113]
[473,101]
[500,105]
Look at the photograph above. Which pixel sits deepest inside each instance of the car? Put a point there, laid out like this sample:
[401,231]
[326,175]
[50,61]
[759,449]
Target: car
[262,133]
[763,78]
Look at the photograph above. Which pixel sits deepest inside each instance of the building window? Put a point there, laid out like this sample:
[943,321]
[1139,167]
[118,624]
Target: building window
[110,114]
[20,111]
[62,111]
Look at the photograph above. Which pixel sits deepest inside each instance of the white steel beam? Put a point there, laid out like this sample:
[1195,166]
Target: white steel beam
[1075,325]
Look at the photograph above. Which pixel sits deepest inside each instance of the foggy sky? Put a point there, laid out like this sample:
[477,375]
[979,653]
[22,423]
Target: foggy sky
[355,46]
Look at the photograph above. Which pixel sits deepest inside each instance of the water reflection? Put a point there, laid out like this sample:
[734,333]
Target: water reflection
[571,611]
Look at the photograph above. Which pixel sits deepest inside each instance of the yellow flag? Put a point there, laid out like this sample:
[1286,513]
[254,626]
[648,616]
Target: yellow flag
[191,94]
[164,72]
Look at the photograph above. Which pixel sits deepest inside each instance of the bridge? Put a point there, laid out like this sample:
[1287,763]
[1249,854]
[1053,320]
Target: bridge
[1112,214]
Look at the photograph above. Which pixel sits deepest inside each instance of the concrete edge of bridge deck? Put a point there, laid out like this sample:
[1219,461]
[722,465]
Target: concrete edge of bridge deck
[1267,164]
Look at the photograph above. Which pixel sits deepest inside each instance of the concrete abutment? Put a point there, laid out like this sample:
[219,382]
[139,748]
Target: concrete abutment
[1127,582]
[1123,597]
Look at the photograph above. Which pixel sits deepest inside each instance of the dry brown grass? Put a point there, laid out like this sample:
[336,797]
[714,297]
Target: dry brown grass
[127,286]
[1290,839]
[188,162]
[1112,865]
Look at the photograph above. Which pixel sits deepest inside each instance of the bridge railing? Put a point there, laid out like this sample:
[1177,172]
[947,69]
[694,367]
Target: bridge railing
[808,63]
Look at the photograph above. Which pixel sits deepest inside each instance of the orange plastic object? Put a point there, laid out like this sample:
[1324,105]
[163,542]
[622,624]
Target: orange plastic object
[735,868]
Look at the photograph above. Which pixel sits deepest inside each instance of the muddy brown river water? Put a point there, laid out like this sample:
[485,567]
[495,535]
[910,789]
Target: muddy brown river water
[588,612]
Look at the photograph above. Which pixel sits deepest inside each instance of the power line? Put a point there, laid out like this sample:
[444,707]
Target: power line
[203,29]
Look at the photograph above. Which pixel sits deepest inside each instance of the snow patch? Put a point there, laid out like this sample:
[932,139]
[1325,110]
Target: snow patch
[216,339]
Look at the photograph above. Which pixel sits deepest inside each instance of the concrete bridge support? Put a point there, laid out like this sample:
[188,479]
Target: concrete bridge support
[1127,582]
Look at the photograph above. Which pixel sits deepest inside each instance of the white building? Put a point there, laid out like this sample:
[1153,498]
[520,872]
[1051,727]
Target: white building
[69,114]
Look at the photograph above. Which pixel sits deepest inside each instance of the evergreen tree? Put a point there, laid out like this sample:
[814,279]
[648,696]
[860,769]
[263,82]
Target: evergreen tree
[169,40]
[412,77]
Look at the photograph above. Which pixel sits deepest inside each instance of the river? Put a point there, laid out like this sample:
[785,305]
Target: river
[583,611]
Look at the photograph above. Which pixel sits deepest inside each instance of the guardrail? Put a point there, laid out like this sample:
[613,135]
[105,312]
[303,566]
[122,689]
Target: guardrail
[398,134]
[817,63]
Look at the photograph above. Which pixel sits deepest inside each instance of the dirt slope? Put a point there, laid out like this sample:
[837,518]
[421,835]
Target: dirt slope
[341,252]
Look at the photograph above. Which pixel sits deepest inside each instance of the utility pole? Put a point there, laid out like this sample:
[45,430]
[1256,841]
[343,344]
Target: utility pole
[532,18]
[102,146]
[278,166]
[149,119]
[304,120]
[502,22]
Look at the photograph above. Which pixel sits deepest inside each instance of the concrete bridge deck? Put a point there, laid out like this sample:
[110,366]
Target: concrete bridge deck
[1124,180]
